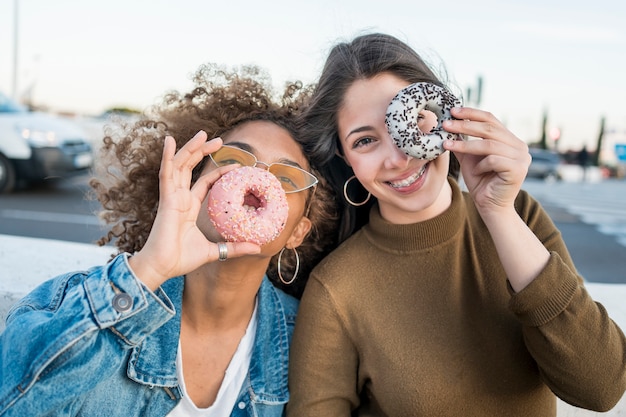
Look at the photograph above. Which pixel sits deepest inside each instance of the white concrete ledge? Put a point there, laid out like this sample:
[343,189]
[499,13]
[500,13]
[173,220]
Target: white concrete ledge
[26,262]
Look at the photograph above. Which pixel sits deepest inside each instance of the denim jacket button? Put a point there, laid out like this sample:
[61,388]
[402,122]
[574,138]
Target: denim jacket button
[122,303]
[241,405]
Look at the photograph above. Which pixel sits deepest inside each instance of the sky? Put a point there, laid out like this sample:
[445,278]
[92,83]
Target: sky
[566,58]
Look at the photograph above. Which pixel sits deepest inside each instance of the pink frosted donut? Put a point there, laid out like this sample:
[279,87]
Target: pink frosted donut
[248,204]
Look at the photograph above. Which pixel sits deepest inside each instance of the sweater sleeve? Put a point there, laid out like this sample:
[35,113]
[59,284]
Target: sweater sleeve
[580,351]
[72,332]
[323,365]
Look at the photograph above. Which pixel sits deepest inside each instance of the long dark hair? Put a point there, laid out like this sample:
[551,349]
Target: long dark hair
[364,57]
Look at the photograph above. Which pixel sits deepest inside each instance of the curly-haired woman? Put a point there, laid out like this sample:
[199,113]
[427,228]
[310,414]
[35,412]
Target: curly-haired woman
[166,328]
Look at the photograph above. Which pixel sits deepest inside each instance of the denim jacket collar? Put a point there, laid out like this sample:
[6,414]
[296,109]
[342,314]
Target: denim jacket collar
[153,362]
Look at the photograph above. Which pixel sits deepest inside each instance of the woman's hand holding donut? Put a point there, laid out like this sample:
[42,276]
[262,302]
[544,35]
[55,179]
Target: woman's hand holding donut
[176,245]
[493,167]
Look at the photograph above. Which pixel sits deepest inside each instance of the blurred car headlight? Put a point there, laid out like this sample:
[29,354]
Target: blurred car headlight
[40,138]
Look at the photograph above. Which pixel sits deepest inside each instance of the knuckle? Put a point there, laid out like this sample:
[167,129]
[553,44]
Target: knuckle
[489,127]
[489,115]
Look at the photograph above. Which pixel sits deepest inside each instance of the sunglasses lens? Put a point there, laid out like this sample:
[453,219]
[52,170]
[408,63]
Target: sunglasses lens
[292,178]
[227,155]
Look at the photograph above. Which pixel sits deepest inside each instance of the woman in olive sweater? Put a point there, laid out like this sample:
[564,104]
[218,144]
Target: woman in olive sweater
[440,302]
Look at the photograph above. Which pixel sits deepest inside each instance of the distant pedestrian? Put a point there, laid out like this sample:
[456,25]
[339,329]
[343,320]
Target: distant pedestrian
[583,161]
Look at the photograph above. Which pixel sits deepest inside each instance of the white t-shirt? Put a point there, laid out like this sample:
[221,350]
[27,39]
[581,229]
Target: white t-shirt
[231,384]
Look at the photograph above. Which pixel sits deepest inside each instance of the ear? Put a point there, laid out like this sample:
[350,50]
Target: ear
[299,233]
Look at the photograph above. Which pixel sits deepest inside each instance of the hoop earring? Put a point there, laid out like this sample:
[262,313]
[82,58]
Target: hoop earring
[345,193]
[295,274]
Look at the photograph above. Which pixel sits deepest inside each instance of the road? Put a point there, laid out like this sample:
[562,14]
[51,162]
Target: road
[591,216]
[592,220]
[58,210]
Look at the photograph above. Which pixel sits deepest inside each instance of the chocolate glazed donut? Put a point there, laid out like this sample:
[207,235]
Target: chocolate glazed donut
[402,118]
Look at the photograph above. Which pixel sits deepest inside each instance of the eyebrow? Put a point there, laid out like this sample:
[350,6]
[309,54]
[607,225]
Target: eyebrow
[359,130]
[247,147]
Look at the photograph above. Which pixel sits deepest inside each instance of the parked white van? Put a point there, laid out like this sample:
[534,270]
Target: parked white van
[35,146]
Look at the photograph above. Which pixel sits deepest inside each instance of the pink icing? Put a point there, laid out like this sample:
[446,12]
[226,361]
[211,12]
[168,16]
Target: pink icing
[248,204]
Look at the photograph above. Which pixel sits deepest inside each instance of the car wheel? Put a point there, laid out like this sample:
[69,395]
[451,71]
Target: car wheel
[7,175]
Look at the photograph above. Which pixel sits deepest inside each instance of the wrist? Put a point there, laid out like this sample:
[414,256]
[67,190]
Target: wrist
[144,271]
[495,214]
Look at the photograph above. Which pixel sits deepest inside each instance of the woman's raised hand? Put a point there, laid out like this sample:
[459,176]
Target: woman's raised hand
[493,167]
[176,245]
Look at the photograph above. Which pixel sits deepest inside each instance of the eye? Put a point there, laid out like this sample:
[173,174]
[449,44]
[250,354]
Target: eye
[230,161]
[228,155]
[287,183]
[364,141]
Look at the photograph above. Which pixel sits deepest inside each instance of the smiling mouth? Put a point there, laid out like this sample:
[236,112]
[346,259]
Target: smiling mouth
[409,180]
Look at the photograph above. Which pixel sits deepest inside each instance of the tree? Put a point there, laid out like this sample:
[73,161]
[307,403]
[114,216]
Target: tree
[596,155]
[543,140]
[475,99]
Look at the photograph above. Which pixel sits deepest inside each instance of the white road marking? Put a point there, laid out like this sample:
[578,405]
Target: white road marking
[46,216]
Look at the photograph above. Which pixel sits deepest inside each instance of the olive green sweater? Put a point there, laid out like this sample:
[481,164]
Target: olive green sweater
[419,320]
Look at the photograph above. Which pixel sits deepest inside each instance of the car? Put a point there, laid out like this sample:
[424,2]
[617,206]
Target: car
[546,164]
[35,146]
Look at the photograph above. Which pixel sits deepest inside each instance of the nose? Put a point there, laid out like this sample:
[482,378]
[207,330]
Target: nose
[396,158]
[263,165]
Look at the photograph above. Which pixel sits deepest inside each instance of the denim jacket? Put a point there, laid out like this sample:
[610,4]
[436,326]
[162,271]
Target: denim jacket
[100,343]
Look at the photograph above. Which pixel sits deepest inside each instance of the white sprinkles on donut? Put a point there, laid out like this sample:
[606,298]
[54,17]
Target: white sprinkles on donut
[248,204]
[402,117]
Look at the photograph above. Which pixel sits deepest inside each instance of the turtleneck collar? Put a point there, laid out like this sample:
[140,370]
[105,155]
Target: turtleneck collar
[417,236]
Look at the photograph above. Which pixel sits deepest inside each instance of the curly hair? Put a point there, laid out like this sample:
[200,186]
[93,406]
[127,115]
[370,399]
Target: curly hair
[126,179]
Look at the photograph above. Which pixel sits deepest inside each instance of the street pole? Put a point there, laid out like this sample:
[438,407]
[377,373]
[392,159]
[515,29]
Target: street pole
[15,48]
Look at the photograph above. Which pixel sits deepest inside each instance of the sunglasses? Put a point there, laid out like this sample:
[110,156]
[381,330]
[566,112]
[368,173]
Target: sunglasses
[292,178]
